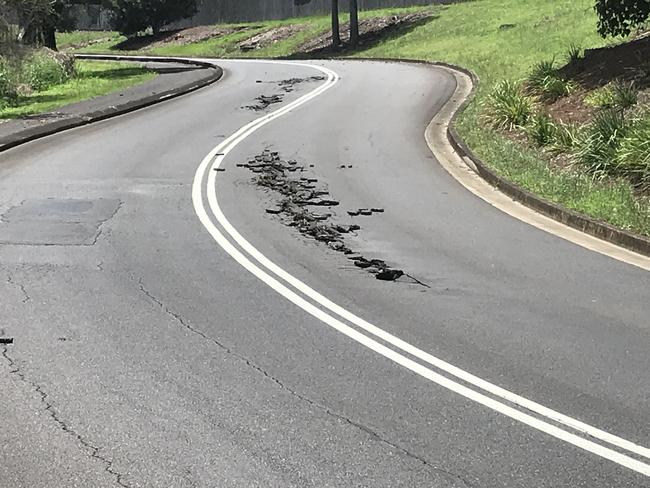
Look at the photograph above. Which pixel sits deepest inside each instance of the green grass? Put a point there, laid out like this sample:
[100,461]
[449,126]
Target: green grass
[93,79]
[76,39]
[469,34]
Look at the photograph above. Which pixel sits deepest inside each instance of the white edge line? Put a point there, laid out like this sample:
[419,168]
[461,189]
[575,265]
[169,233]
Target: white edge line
[230,143]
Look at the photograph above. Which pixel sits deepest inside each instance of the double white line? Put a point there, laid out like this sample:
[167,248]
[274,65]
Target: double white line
[492,396]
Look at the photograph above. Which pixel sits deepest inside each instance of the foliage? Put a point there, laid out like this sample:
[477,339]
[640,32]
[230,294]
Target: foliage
[566,138]
[544,80]
[619,17]
[34,71]
[93,78]
[508,107]
[131,17]
[633,156]
[615,95]
[542,130]
[597,151]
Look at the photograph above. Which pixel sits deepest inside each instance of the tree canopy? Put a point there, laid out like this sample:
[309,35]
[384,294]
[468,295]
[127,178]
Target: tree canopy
[620,17]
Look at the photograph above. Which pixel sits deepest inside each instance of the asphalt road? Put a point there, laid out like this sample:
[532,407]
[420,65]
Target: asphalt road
[146,356]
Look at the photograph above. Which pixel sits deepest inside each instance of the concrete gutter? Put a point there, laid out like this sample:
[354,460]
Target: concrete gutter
[213,73]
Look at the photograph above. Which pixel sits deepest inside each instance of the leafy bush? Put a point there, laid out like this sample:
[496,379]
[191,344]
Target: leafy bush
[625,95]
[540,72]
[37,70]
[42,71]
[598,148]
[508,107]
[542,130]
[633,156]
[566,137]
[615,95]
[7,79]
[574,54]
[544,80]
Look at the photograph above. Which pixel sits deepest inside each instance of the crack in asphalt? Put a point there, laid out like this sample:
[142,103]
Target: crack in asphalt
[11,281]
[100,227]
[370,432]
[49,407]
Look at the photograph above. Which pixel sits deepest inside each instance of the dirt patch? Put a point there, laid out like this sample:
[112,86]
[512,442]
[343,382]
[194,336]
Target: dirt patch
[270,37]
[371,31]
[629,61]
[307,206]
[180,37]
[571,109]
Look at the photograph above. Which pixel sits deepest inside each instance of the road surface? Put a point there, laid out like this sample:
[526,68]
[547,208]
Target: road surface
[172,330]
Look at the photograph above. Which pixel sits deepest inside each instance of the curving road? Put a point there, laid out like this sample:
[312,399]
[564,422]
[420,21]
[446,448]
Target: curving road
[171,332]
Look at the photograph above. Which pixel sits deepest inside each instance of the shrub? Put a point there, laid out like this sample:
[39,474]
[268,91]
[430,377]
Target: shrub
[7,79]
[508,107]
[542,130]
[574,54]
[633,156]
[566,137]
[45,69]
[615,95]
[625,95]
[540,72]
[544,80]
[598,148]
[601,98]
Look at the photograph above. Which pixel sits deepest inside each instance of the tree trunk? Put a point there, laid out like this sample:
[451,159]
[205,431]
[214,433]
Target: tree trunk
[336,34]
[49,37]
[354,23]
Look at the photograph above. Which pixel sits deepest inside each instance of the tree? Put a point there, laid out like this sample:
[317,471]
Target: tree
[354,23]
[131,17]
[38,20]
[336,31]
[619,17]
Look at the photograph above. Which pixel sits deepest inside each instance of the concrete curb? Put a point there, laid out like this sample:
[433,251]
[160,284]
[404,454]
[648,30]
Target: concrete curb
[213,74]
[601,230]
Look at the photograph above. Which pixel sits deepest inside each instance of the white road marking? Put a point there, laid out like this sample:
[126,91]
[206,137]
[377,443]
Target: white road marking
[216,157]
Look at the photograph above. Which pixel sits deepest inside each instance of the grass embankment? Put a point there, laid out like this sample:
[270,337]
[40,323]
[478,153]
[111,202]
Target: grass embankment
[498,40]
[33,81]
[92,79]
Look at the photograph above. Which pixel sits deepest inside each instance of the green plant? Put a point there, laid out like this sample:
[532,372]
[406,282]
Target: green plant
[598,148]
[43,70]
[633,156]
[508,107]
[601,98]
[540,73]
[542,130]
[614,95]
[7,79]
[574,54]
[625,94]
[566,137]
[544,80]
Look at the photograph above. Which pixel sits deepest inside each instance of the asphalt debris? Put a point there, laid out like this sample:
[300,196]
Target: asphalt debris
[298,197]
[264,101]
[6,340]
